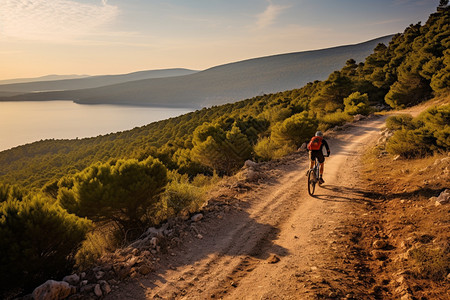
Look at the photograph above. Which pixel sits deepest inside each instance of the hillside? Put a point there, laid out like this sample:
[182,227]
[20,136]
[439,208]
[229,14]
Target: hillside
[217,85]
[87,82]
[357,238]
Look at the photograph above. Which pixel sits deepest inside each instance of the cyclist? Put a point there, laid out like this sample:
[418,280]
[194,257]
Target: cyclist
[315,148]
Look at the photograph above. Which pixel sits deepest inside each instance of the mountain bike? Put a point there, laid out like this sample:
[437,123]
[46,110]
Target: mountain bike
[313,177]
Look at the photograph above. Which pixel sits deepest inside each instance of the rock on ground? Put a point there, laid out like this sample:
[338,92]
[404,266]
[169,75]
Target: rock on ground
[98,291]
[250,164]
[52,290]
[197,217]
[444,197]
[73,279]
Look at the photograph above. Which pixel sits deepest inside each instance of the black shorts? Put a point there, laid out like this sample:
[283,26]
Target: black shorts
[316,153]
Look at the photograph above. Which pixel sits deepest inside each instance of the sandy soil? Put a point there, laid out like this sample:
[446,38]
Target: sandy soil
[275,241]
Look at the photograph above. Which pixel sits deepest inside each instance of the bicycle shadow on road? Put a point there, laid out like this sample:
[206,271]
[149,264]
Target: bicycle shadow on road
[347,194]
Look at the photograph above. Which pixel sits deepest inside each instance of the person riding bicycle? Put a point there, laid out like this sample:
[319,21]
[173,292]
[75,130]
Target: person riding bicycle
[315,147]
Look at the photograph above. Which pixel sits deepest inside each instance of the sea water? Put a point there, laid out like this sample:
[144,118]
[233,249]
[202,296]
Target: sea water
[27,122]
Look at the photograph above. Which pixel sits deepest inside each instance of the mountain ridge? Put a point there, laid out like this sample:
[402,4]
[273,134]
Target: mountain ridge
[50,77]
[220,84]
[90,81]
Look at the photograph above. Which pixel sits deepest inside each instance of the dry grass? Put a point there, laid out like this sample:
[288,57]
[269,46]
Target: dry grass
[98,242]
[430,262]
[398,175]
[417,230]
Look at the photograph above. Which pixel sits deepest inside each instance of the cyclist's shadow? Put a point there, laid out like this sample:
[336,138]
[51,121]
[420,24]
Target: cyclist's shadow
[346,194]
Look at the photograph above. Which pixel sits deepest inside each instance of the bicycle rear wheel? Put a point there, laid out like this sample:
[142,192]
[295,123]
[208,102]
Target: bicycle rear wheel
[311,182]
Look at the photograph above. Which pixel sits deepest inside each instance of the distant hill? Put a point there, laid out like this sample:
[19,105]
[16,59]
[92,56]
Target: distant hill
[42,78]
[221,84]
[56,84]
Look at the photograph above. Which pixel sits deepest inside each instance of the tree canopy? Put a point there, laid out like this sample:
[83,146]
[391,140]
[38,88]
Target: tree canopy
[121,191]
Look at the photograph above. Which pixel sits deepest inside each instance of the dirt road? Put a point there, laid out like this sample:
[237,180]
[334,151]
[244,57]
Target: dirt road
[277,242]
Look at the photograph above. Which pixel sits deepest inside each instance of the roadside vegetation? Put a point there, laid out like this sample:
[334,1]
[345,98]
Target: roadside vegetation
[424,135]
[405,213]
[138,178]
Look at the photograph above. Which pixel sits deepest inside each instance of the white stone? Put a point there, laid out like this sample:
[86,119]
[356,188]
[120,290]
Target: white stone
[52,290]
[250,164]
[303,147]
[444,197]
[154,242]
[197,217]
[358,117]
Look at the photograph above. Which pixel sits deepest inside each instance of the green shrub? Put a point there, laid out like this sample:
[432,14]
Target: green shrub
[357,103]
[182,196]
[411,143]
[399,122]
[11,192]
[294,130]
[38,240]
[277,114]
[186,165]
[266,149]
[205,181]
[443,138]
[427,133]
[435,118]
[334,119]
[440,81]
[121,191]
[409,90]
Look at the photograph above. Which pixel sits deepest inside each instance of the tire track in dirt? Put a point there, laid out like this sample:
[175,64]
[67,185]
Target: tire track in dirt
[245,248]
[282,244]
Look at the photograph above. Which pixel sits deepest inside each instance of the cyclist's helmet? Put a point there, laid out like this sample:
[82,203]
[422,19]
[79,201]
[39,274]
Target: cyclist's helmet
[319,133]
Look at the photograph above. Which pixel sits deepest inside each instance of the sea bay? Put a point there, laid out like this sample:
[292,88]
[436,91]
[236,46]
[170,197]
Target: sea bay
[27,122]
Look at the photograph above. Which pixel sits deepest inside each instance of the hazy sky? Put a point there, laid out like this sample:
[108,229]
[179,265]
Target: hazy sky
[41,37]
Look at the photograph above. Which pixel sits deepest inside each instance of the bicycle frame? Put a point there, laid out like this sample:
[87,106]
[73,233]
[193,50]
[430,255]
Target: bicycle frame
[313,177]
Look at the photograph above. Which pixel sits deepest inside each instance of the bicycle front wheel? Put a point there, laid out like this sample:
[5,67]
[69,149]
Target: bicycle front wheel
[311,183]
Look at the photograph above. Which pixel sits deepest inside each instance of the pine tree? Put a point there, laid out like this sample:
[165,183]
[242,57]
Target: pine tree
[223,151]
[294,130]
[122,191]
[38,240]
